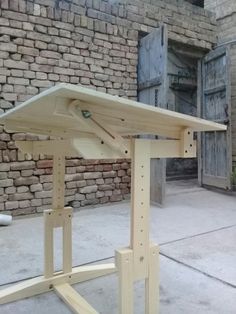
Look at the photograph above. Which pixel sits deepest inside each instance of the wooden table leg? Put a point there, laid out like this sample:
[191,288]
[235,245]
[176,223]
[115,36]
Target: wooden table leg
[124,264]
[140,261]
[59,281]
[152,282]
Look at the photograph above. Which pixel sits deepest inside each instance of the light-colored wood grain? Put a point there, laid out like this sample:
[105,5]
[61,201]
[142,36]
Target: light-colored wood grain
[188,145]
[41,284]
[108,119]
[54,219]
[152,282]
[101,130]
[92,148]
[48,245]
[51,109]
[58,181]
[76,303]
[49,147]
[67,242]
[140,203]
[124,263]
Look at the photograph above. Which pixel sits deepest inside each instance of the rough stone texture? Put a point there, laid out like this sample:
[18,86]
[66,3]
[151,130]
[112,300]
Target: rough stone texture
[226,18]
[92,43]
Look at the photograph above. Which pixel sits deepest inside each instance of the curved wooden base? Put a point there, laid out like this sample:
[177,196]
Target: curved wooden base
[59,282]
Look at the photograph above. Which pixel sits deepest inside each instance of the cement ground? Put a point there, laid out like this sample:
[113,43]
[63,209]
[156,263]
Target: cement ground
[196,231]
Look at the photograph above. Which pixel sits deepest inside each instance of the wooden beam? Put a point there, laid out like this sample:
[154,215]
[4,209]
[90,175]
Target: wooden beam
[102,131]
[76,303]
[134,125]
[94,148]
[152,298]
[43,129]
[88,148]
[58,180]
[140,203]
[124,264]
[41,284]
[67,241]
[48,244]
[165,148]
[187,144]
[51,147]
[97,149]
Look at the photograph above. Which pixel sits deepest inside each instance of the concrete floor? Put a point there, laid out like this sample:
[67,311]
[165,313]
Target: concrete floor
[197,235]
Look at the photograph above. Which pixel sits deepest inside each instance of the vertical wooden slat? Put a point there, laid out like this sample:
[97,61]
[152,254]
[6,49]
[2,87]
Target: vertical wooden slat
[58,182]
[124,264]
[152,298]
[152,67]
[67,241]
[199,114]
[48,245]
[140,191]
[215,164]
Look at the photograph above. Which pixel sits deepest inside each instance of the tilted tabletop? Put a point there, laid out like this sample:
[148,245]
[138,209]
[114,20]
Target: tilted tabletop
[50,113]
[82,121]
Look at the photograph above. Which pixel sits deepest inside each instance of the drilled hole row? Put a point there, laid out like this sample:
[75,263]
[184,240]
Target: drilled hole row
[142,217]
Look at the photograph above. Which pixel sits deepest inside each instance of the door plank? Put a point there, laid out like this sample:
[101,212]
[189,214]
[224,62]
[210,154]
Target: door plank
[152,82]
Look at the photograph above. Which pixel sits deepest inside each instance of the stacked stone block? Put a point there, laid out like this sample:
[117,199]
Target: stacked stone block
[93,43]
[226,18]
[26,186]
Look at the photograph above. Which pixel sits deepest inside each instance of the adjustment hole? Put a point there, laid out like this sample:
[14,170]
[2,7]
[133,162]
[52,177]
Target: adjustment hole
[188,133]
[141,244]
[186,152]
[102,142]
[141,217]
[191,145]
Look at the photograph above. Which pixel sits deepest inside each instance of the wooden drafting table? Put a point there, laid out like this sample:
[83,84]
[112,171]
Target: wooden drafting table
[95,125]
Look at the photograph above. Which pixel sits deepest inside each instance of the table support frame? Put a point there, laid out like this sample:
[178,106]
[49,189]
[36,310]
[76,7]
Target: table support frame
[140,261]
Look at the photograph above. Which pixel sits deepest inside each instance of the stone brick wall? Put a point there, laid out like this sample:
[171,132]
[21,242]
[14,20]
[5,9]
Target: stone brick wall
[89,42]
[226,18]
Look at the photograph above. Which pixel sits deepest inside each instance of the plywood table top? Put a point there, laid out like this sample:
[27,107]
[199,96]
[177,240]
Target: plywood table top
[50,110]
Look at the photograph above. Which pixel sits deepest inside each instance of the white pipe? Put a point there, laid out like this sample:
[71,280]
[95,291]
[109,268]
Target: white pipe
[5,220]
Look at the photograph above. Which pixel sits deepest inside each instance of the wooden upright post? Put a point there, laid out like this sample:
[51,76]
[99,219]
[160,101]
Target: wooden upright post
[140,261]
[60,282]
[58,217]
[140,203]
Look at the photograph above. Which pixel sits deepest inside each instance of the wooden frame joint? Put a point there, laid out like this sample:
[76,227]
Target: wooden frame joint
[106,135]
[187,144]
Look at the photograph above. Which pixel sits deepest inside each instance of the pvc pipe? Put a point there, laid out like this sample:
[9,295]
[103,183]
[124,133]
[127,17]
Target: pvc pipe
[5,220]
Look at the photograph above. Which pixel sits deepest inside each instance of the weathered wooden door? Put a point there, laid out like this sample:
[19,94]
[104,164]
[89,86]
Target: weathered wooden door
[152,86]
[214,103]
